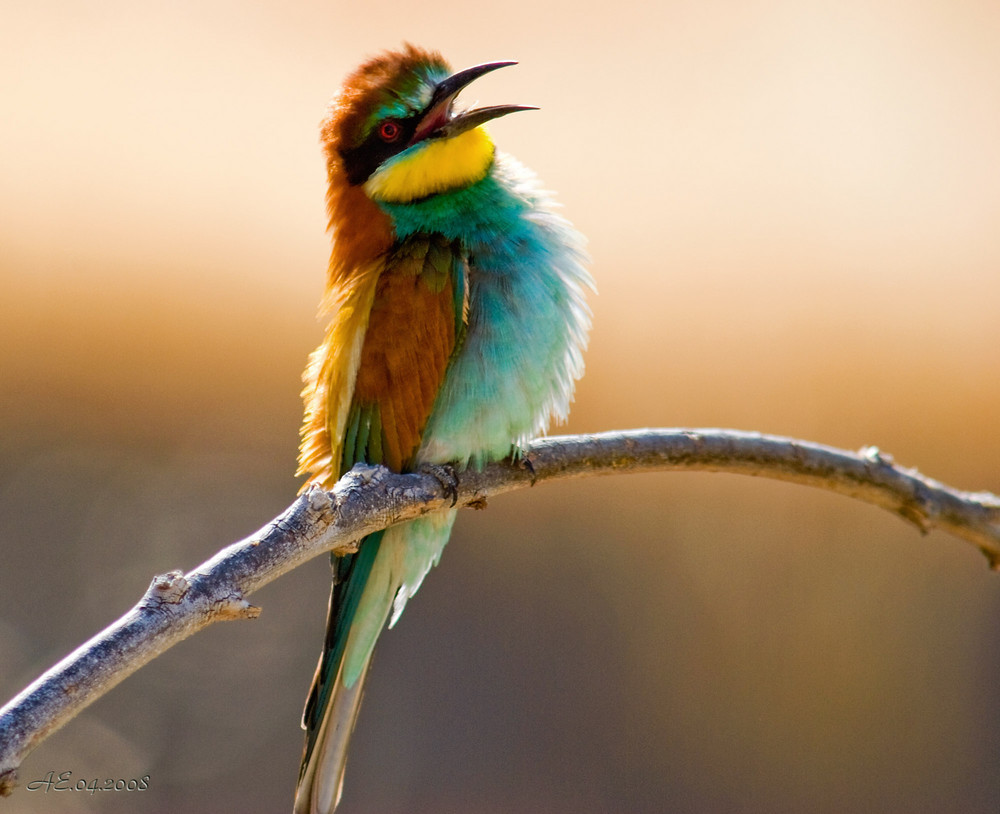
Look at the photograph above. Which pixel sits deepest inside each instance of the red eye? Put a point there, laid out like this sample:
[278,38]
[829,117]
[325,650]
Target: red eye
[389,131]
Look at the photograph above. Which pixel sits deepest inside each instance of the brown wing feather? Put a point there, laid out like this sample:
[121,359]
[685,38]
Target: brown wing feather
[412,330]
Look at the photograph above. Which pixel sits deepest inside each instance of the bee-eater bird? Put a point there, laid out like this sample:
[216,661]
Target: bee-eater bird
[457,325]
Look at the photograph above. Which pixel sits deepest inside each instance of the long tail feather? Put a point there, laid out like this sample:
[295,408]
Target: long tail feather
[322,777]
[335,697]
[368,586]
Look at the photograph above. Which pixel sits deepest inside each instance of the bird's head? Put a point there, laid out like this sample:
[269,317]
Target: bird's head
[393,130]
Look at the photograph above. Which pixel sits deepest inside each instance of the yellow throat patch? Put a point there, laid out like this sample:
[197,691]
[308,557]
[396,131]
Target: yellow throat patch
[436,166]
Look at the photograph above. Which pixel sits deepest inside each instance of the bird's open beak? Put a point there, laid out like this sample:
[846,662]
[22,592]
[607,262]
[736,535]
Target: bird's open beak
[439,121]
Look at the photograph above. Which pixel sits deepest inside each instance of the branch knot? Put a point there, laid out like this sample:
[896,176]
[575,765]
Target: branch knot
[166,589]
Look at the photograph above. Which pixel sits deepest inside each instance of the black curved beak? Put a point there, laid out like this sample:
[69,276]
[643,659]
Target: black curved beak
[438,119]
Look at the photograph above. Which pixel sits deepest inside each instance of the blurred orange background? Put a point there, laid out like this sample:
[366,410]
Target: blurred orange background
[793,211]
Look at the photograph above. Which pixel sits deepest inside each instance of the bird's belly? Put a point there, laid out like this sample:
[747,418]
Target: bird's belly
[522,350]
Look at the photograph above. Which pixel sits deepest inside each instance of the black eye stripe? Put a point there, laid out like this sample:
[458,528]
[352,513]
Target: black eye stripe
[361,161]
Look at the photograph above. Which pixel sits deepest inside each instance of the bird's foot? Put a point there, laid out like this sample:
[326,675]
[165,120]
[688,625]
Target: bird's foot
[520,457]
[444,474]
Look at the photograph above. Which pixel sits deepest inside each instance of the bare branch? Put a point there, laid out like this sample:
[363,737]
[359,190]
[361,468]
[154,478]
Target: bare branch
[370,498]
